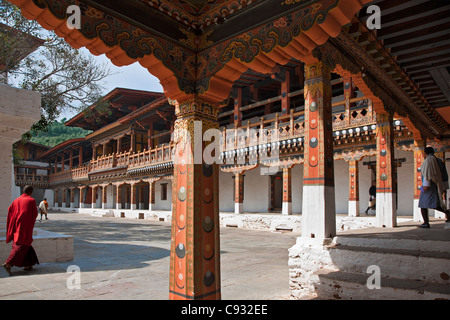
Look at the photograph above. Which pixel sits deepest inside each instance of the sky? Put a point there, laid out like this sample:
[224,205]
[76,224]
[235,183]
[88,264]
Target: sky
[133,76]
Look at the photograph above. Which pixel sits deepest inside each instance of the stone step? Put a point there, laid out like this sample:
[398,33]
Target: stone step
[394,243]
[102,213]
[347,285]
[393,262]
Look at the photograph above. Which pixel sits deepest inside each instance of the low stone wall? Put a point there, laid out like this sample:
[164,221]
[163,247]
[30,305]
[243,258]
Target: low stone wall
[49,246]
[255,221]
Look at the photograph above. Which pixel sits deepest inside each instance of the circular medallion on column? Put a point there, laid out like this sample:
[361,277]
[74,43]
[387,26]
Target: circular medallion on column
[383,152]
[313,106]
[207,196]
[383,177]
[208,224]
[182,194]
[207,170]
[313,124]
[313,143]
[182,166]
[209,278]
[180,251]
[180,281]
[208,252]
[181,224]
[313,162]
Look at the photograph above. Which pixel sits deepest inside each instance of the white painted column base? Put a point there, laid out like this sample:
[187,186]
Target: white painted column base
[118,206]
[287,208]
[72,205]
[141,206]
[353,208]
[318,212]
[417,215]
[151,207]
[386,213]
[238,208]
[133,206]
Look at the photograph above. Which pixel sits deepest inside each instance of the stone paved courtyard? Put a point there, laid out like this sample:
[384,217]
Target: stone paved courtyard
[129,259]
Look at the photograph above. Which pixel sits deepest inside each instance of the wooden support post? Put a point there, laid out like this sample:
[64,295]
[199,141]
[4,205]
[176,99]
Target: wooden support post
[195,243]
[319,213]
[353,190]
[386,206]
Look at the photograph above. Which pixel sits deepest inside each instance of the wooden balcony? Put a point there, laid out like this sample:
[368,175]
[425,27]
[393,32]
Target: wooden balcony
[38,181]
[280,130]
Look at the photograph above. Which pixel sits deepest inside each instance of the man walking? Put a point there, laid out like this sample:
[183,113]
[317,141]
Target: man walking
[432,187]
[22,216]
[43,208]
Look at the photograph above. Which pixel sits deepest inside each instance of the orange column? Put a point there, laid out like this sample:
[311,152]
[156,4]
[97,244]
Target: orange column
[239,192]
[353,192]
[319,218]
[195,244]
[151,196]
[419,156]
[386,206]
[348,94]
[285,100]
[237,107]
[287,190]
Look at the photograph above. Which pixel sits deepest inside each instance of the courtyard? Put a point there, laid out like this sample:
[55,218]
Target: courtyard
[129,259]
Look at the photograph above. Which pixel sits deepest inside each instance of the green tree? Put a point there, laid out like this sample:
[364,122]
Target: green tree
[57,132]
[66,79]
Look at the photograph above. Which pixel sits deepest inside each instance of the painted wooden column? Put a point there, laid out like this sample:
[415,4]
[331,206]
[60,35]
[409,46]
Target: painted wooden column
[419,157]
[127,197]
[386,206]
[63,159]
[238,192]
[287,191]
[71,159]
[64,198]
[94,196]
[133,141]
[81,197]
[104,196]
[150,133]
[133,196]
[285,100]
[349,92]
[237,108]
[353,192]
[94,152]
[141,197]
[56,202]
[72,197]
[118,197]
[80,156]
[318,211]
[151,196]
[195,243]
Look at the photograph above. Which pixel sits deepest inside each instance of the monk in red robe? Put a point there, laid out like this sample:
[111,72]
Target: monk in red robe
[22,216]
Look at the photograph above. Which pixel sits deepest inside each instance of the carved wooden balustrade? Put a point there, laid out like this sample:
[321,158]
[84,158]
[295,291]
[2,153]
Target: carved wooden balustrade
[127,160]
[23,179]
[282,131]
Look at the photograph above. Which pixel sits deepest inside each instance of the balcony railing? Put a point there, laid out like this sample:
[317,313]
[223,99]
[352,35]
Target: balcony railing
[278,128]
[31,179]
